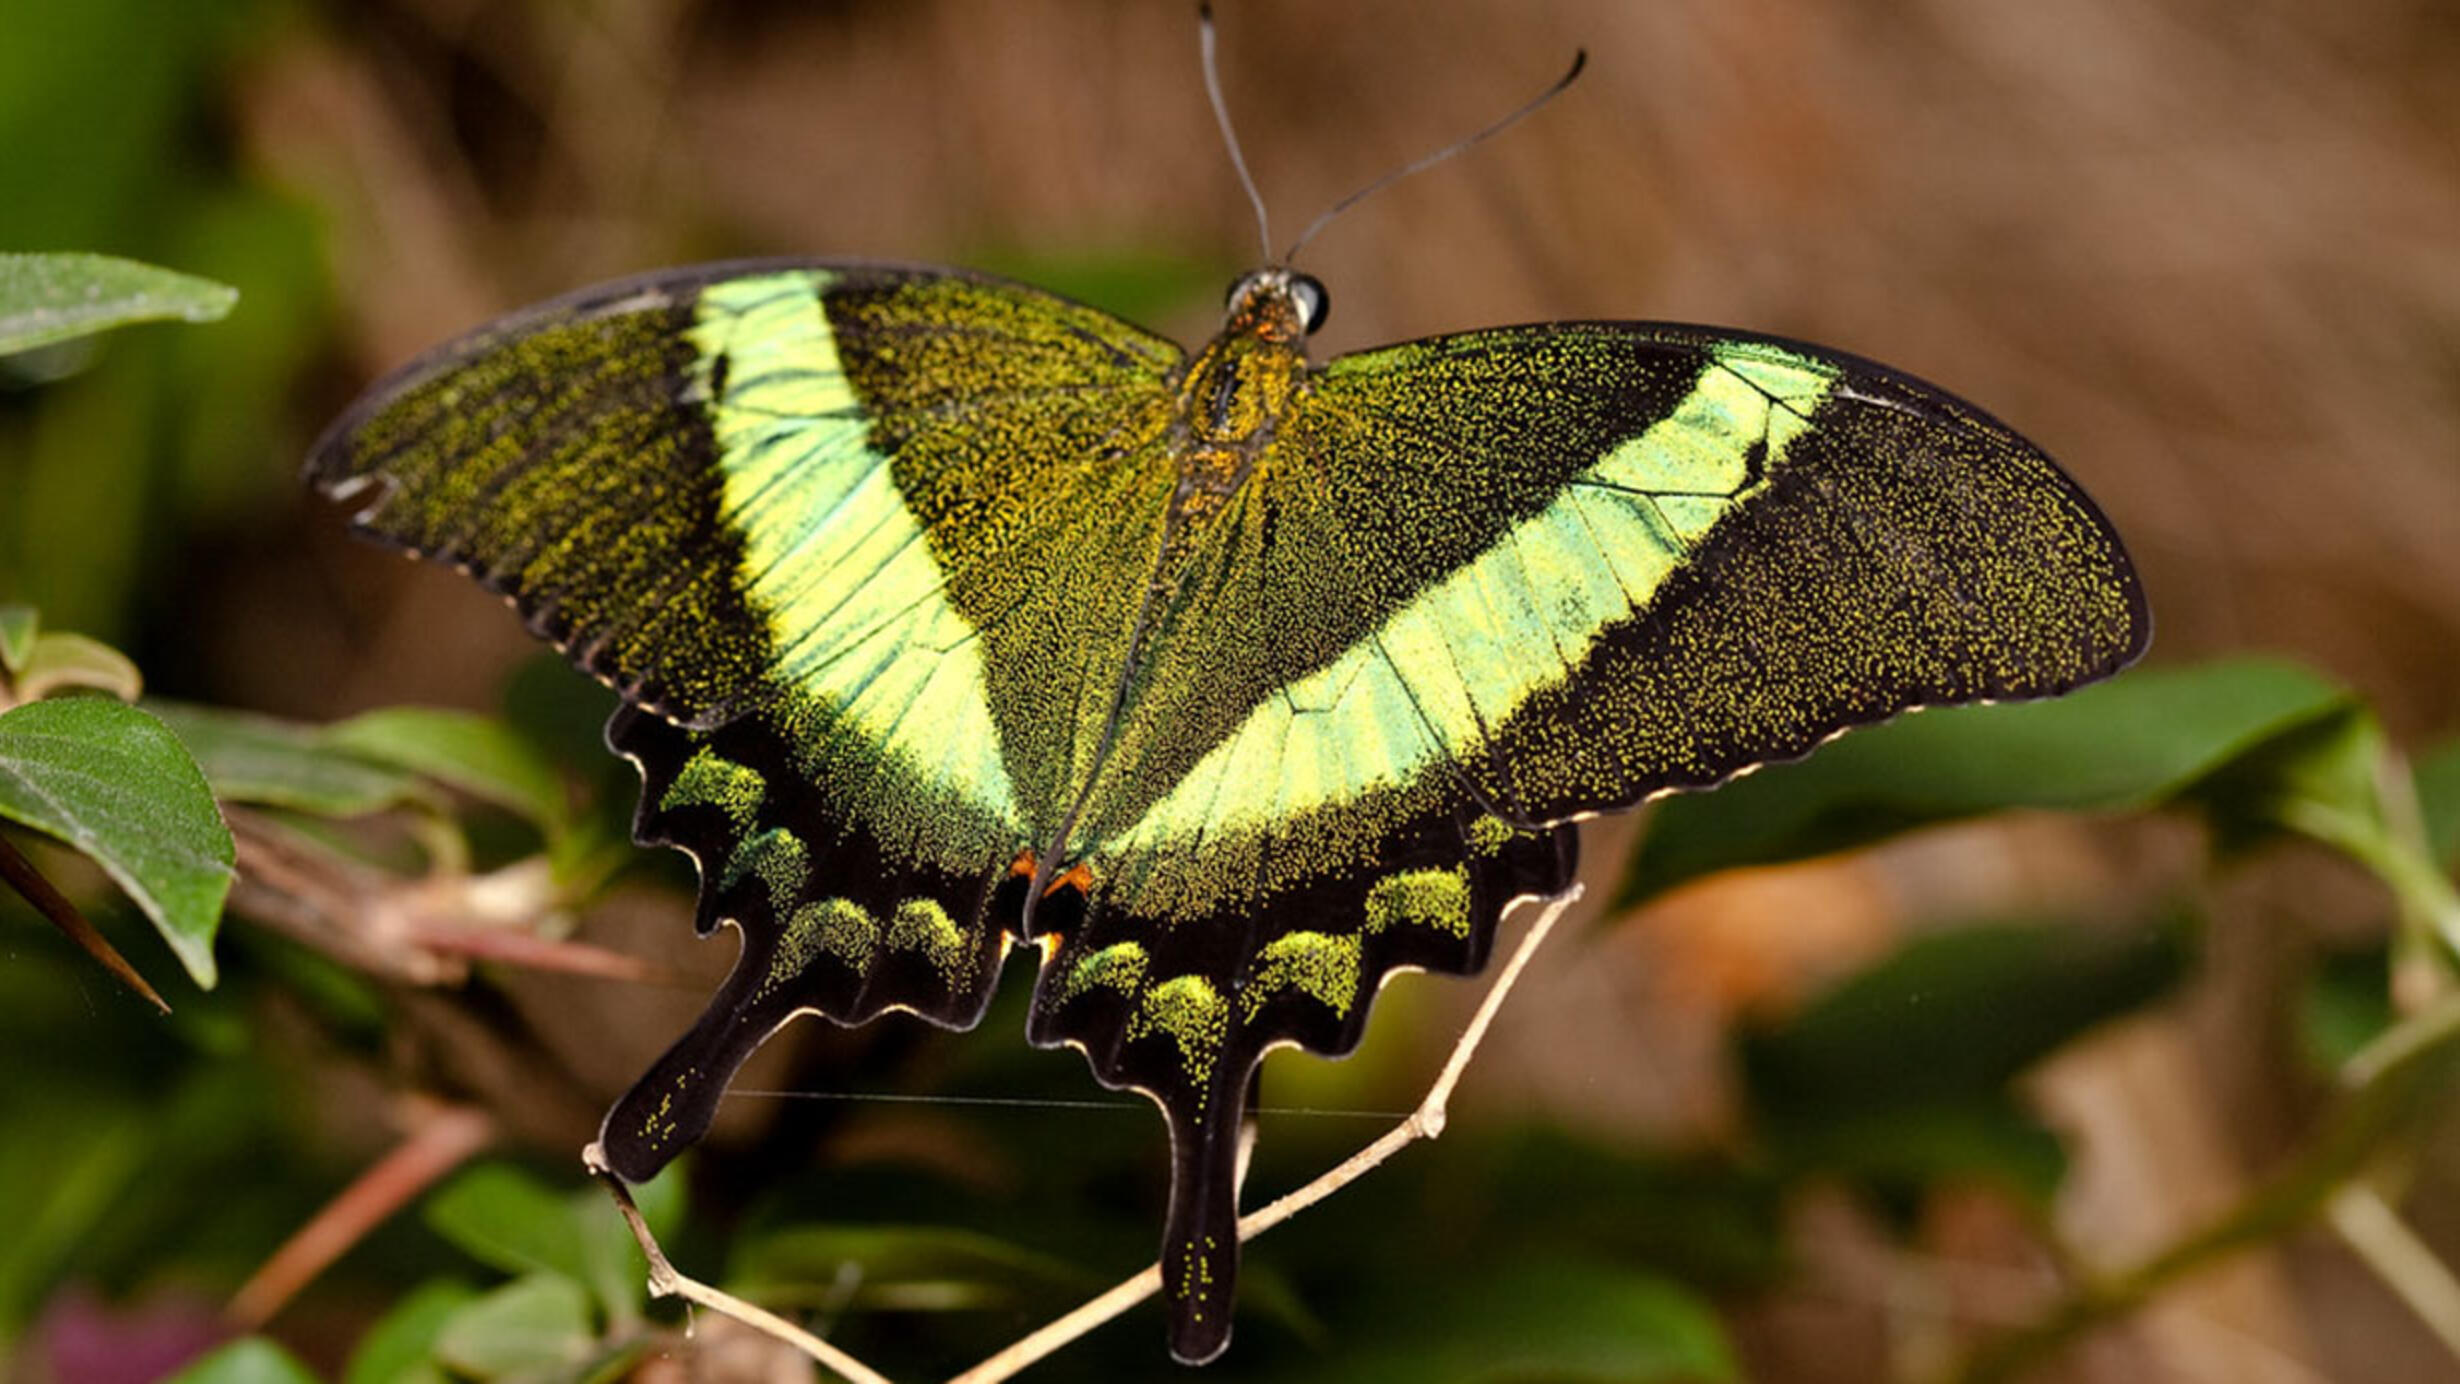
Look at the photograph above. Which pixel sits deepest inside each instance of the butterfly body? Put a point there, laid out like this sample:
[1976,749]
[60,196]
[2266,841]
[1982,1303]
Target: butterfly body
[952,615]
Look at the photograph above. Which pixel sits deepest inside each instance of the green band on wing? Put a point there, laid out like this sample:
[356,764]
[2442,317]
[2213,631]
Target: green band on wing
[922,926]
[1119,966]
[712,780]
[832,558]
[1316,964]
[776,857]
[1191,1011]
[1434,899]
[1466,652]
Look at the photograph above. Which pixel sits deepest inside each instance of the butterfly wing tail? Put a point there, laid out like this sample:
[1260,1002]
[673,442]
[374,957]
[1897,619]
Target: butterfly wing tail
[672,1105]
[833,920]
[1184,1009]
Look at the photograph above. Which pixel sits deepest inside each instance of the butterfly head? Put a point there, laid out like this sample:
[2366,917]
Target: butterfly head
[1280,305]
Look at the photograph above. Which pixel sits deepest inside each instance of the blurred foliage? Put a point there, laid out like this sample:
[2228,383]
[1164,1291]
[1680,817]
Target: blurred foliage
[1528,1253]
[1900,1078]
[246,1362]
[404,872]
[91,771]
[155,426]
[2128,743]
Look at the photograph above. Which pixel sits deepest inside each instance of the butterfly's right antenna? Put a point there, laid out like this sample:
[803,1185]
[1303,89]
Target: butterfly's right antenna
[1580,60]
[1229,136]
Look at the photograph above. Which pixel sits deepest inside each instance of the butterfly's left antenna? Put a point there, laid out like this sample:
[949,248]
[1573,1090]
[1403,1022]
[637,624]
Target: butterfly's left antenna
[1229,136]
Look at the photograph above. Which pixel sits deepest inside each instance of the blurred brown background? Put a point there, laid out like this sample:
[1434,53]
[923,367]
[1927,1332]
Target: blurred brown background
[2207,254]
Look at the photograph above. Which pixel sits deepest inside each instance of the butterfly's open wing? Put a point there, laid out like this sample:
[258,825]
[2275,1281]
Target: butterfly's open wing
[805,518]
[1480,586]
[1716,551]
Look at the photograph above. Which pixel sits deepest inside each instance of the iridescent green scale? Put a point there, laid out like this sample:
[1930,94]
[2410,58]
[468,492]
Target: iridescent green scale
[951,615]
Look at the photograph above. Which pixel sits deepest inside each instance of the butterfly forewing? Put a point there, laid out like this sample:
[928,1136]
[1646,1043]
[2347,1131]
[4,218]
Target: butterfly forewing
[1747,544]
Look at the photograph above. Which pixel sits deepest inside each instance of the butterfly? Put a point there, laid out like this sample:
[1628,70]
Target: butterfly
[951,616]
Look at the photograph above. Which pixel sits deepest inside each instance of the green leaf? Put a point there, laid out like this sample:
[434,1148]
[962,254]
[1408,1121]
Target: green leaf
[2343,1005]
[1958,1012]
[17,626]
[48,298]
[660,1201]
[2128,743]
[2326,779]
[1540,1318]
[252,1360]
[400,1348]
[1704,1219]
[534,1324]
[2314,777]
[611,1261]
[1902,1070]
[507,1219]
[116,784]
[1141,285]
[1897,1153]
[504,1217]
[60,662]
[257,759]
[479,756]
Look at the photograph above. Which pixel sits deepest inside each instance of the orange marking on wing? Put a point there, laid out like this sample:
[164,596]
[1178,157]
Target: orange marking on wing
[1076,877]
[1023,864]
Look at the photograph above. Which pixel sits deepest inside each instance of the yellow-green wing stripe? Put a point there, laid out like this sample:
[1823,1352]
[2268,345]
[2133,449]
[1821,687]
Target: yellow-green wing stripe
[832,559]
[1468,651]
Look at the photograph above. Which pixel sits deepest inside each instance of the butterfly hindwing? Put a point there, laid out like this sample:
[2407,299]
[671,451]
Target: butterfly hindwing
[1185,1009]
[834,919]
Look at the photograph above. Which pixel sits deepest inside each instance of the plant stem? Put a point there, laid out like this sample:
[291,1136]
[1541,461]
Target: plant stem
[664,1281]
[19,874]
[444,1137]
[2375,1233]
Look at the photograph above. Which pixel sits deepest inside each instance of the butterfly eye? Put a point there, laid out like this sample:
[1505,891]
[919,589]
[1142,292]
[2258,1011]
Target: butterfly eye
[1313,303]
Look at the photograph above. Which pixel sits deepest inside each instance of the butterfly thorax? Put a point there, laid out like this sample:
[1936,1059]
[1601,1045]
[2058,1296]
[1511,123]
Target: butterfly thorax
[1235,392]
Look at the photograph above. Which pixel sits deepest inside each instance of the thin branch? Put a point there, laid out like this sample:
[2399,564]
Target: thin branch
[2384,1242]
[535,953]
[665,1281]
[2402,1043]
[1426,1122]
[421,931]
[443,1138]
[19,874]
